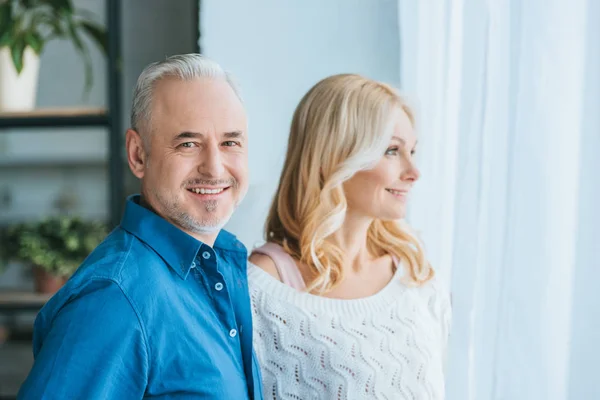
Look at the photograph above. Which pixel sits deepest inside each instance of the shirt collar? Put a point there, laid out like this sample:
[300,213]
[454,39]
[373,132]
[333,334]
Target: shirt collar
[174,246]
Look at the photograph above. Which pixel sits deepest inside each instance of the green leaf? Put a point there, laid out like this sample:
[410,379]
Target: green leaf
[27,3]
[59,5]
[97,33]
[5,12]
[55,244]
[5,39]
[72,243]
[87,60]
[34,40]
[5,22]
[75,35]
[16,51]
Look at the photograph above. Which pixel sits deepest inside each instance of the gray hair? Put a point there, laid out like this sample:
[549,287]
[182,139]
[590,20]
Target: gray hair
[185,67]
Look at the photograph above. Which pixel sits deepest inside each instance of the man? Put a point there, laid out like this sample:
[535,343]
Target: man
[161,308]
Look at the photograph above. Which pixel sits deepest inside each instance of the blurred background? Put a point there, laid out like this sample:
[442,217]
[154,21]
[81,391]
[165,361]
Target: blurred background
[507,97]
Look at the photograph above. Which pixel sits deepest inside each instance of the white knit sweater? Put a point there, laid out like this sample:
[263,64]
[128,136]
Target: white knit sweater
[387,346]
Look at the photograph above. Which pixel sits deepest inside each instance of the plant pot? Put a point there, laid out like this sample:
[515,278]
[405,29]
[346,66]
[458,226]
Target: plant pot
[46,283]
[18,92]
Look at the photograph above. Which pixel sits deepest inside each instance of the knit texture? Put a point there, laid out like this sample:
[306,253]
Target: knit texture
[387,346]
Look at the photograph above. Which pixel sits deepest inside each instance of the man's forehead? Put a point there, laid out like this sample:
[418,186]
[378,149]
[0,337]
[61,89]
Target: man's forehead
[191,106]
[216,93]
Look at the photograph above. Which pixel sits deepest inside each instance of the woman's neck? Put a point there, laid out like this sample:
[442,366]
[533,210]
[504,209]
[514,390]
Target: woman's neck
[364,273]
[352,241]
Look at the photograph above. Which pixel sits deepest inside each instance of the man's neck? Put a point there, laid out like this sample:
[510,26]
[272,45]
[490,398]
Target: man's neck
[208,239]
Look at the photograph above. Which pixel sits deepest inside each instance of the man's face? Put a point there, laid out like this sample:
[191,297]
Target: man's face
[195,168]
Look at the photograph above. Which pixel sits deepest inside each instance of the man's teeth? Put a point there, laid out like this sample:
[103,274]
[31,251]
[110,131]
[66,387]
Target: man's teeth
[207,191]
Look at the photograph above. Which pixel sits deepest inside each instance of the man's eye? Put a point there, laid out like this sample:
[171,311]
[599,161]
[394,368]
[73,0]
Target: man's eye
[231,143]
[187,144]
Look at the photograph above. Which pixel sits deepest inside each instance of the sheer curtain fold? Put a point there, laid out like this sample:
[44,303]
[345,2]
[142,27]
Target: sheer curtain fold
[501,89]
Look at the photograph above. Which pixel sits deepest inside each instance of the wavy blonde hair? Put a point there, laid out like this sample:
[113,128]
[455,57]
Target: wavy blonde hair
[341,126]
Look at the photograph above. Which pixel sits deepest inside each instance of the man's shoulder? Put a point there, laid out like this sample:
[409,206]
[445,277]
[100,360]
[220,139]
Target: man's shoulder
[109,272]
[120,259]
[228,242]
[119,255]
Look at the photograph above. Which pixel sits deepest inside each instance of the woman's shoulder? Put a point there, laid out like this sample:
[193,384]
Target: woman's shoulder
[265,263]
[440,285]
[436,287]
[439,297]
[279,264]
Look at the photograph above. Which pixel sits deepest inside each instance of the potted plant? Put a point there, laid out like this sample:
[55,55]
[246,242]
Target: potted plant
[26,26]
[53,247]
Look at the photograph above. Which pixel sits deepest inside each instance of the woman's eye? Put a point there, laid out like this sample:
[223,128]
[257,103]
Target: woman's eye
[391,151]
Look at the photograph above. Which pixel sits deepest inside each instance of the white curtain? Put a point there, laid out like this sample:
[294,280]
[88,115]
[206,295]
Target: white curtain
[508,99]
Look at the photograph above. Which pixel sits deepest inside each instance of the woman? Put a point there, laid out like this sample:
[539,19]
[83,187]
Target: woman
[345,304]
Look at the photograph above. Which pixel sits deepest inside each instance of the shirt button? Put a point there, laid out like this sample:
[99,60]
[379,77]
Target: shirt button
[206,255]
[219,286]
[193,264]
[232,333]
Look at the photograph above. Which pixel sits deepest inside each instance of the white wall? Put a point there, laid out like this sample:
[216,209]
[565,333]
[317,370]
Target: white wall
[585,328]
[277,50]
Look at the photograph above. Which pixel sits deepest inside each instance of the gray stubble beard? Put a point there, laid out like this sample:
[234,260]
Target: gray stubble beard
[188,223]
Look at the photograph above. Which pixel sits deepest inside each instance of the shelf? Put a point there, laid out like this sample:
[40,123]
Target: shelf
[47,162]
[17,300]
[18,336]
[55,117]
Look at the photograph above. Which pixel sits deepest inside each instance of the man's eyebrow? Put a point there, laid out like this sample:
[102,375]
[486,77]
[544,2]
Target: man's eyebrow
[233,134]
[188,135]
[198,135]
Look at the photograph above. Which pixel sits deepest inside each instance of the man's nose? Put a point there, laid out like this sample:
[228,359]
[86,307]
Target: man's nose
[211,164]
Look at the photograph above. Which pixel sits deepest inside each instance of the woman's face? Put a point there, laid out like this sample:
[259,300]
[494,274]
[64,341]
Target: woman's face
[382,192]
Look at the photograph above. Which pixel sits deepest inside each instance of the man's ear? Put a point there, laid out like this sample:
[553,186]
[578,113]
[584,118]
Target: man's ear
[136,153]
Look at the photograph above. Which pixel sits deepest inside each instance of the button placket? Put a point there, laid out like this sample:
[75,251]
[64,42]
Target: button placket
[220,296]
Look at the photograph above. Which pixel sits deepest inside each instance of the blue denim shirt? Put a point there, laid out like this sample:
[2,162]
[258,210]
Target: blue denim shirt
[151,313]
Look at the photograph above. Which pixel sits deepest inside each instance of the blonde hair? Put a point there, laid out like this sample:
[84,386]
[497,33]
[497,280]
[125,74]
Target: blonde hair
[341,126]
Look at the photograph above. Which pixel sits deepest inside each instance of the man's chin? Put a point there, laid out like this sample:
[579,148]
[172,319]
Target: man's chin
[208,229]
[211,223]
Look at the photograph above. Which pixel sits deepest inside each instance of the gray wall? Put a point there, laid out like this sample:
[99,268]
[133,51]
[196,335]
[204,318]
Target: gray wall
[278,50]
[31,192]
[152,30]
